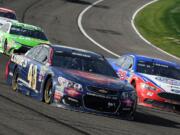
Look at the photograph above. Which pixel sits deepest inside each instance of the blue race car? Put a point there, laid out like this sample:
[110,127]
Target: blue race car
[71,78]
[156,81]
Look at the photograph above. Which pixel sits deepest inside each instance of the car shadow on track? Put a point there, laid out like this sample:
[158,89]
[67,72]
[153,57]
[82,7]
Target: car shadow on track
[83,2]
[148,118]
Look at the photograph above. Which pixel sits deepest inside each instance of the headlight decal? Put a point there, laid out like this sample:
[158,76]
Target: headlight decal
[67,84]
[148,86]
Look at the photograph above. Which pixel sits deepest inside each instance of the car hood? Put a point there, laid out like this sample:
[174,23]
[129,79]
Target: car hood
[167,84]
[91,79]
[27,40]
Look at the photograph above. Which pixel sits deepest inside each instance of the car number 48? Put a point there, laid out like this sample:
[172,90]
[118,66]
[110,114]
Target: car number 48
[32,76]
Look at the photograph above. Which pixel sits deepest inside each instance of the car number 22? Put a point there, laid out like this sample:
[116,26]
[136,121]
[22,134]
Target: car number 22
[32,76]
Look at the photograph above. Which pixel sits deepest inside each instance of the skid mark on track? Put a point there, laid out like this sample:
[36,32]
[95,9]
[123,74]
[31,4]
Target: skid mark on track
[47,116]
[8,130]
[28,8]
[84,32]
[112,32]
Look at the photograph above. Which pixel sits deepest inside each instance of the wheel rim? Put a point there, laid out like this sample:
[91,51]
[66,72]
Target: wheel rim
[48,93]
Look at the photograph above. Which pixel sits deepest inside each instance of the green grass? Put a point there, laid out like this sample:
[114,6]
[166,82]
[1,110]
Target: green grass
[160,24]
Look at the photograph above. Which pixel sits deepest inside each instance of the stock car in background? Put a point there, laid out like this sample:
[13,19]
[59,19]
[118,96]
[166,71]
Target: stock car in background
[71,78]
[156,81]
[20,37]
[7,14]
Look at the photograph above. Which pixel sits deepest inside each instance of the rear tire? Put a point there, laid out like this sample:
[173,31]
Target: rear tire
[15,80]
[48,91]
[5,47]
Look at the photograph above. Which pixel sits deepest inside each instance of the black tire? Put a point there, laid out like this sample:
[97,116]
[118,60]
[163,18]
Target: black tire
[134,84]
[177,108]
[47,96]
[15,80]
[5,47]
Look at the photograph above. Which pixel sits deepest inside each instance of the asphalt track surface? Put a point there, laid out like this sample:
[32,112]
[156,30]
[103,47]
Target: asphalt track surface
[109,23]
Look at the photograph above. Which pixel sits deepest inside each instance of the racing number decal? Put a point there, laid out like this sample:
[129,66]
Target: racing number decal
[32,76]
[122,75]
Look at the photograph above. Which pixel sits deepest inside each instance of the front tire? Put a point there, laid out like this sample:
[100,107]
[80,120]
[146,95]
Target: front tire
[15,80]
[48,92]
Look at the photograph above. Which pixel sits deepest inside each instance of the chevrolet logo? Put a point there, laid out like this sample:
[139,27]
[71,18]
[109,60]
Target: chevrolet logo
[103,91]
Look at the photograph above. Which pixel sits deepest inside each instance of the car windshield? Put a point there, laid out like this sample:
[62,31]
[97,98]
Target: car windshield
[154,68]
[16,30]
[8,15]
[86,64]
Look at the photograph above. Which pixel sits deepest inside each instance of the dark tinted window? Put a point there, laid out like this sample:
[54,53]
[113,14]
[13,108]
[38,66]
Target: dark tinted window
[8,15]
[43,55]
[97,66]
[120,61]
[5,27]
[153,68]
[16,30]
[33,52]
[128,63]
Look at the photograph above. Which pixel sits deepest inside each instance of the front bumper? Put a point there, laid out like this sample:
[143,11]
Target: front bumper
[155,99]
[97,103]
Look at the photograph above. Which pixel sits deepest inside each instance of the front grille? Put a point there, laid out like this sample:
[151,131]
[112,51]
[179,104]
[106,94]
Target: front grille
[100,103]
[170,96]
[102,90]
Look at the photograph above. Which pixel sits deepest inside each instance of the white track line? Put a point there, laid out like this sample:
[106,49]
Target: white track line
[148,42]
[84,32]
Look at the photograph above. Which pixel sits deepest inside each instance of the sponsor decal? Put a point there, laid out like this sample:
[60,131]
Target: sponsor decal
[175,91]
[122,75]
[102,96]
[103,91]
[42,73]
[58,95]
[93,77]
[72,99]
[72,92]
[128,102]
[150,94]
[110,104]
[168,81]
[80,54]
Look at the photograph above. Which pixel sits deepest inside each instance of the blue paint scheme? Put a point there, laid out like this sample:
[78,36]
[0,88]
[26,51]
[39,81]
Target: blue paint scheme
[44,71]
[133,70]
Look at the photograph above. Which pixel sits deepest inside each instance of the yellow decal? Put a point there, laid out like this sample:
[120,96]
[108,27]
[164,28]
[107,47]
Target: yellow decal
[32,76]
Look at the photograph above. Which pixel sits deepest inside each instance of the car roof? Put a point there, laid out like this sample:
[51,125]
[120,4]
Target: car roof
[24,25]
[158,60]
[67,49]
[6,10]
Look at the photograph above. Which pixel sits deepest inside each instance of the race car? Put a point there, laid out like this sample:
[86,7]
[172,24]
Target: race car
[7,13]
[71,78]
[19,37]
[156,81]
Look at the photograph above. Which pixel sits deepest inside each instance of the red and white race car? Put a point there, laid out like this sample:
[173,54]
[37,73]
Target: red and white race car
[7,15]
[157,82]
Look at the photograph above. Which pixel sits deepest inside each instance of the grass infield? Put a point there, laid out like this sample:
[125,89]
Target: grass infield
[160,24]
